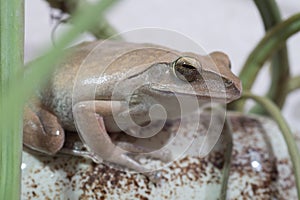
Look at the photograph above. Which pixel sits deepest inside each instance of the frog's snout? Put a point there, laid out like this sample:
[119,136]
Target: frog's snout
[236,91]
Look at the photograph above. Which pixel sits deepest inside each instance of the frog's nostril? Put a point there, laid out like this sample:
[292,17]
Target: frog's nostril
[227,82]
[229,65]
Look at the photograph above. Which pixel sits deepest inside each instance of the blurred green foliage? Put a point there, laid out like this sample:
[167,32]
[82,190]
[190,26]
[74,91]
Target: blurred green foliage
[18,83]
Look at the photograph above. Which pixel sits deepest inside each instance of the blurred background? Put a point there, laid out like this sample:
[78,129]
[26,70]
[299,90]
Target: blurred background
[232,26]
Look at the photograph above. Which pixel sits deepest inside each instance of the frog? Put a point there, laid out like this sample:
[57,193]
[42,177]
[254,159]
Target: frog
[163,73]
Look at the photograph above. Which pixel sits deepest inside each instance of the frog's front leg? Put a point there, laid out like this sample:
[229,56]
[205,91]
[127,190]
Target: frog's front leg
[96,136]
[42,131]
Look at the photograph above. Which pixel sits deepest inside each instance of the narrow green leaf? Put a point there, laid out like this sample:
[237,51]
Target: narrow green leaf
[11,60]
[16,85]
[37,72]
[227,134]
[280,65]
[271,42]
[101,30]
[294,84]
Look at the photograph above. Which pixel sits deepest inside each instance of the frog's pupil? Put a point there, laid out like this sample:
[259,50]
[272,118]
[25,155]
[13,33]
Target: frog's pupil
[187,66]
[189,72]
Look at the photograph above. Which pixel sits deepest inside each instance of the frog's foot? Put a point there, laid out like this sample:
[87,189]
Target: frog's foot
[42,131]
[121,156]
[95,136]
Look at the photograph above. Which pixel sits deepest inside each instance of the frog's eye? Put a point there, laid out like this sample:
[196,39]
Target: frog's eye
[187,69]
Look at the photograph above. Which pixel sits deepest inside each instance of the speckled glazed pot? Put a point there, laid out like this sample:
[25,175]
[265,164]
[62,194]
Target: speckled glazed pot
[258,164]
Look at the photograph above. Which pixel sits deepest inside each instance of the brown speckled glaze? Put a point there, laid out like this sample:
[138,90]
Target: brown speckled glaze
[260,169]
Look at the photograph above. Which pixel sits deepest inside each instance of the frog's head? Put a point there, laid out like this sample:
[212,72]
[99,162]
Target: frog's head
[206,77]
[166,77]
[176,80]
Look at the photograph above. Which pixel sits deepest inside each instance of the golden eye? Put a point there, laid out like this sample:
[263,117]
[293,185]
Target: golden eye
[187,69]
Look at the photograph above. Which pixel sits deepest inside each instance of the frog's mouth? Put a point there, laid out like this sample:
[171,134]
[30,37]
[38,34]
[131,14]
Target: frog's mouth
[225,96]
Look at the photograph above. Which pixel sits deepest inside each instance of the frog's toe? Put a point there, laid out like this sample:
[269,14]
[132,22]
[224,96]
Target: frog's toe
[127,161]
[42,131]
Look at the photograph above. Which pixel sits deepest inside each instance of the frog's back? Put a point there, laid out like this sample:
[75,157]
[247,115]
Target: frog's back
[57,95]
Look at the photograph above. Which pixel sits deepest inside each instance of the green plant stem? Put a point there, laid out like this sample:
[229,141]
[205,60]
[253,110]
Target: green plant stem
[227,134]
[286,132]
[270,43]
[280,65]
[38,71]
[15,88]
[102,30]
[294,84]
[11,60]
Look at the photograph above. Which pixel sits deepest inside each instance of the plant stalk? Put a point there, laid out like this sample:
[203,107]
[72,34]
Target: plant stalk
[227,134]
[11,61]
[280,65]
[271,42]
[18,83]
[102,30]
[294,84]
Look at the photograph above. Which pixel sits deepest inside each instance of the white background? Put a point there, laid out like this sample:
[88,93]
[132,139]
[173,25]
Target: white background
[232,26]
